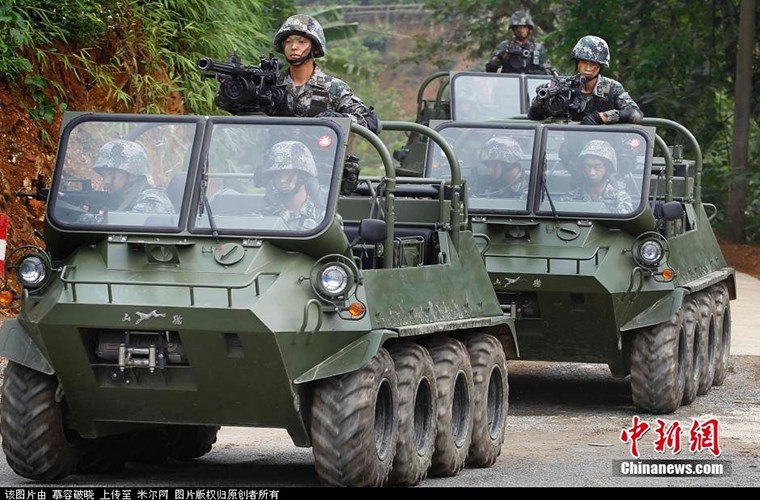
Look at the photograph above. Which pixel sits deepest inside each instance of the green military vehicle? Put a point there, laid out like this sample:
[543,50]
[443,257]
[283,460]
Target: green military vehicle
[596,239]
[237,287]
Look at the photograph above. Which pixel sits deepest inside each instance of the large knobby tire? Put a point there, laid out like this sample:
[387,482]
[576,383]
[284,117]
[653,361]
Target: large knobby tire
[658,359]
[354,425]
[454,408]
[694,338]
[417,396]
[35,443]
[186,442]
[708,347]
[490,399]
[722,304]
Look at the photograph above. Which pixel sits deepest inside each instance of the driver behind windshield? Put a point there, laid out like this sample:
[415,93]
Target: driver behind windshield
[292,189]
[598,163]
[123,166]
[501,175]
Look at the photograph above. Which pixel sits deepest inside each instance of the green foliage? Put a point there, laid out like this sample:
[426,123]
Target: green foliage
[15,33]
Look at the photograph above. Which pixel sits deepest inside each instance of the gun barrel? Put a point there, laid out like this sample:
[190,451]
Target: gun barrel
[208,64]
[546,92]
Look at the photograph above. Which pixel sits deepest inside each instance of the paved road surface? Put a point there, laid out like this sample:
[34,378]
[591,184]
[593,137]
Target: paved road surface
[563,430]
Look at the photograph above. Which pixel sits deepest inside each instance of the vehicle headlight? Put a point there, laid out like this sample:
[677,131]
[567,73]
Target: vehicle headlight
[32,271]
[650,249]
[651,252]
[334,280]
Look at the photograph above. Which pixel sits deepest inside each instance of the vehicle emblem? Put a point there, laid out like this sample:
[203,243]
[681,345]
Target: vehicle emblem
[506,281]
[146,316]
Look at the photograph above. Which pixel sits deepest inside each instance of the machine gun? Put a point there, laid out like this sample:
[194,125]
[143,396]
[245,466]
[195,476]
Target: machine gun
[245,89]
[561,97]
[40,190]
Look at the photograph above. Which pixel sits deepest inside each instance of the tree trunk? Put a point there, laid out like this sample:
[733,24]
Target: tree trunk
[737,193]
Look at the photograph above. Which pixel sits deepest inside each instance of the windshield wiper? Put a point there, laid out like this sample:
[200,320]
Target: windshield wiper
[207,204]
[545,186]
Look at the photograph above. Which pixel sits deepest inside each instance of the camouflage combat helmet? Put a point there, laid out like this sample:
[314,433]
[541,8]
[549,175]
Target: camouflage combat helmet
[591,48]
[521,18]
[124,155]
[603,150]
[290,155]
[504,149]
[303,25]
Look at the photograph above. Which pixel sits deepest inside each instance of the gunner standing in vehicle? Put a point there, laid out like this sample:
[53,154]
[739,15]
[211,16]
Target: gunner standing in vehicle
[602,100]
[521,54]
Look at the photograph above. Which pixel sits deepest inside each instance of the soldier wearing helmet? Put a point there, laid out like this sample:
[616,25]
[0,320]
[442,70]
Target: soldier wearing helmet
[310,91]
[521,54]
[503,177]
[598,162]
[123,166]
[601,100]
[292,187]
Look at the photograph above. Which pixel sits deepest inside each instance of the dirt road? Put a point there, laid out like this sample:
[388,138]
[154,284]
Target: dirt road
[564,428]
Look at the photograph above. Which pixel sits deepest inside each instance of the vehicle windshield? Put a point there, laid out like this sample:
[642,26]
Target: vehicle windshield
[572,171]
[492,96]
[230,175]
[268,179]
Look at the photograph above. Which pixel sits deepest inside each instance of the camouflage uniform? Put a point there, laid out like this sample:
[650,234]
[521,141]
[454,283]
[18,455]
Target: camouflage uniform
[138,196]
[294,156]
[308,217]
[616,200]
[323,94]
[513,57]
[320,94]
[608,96]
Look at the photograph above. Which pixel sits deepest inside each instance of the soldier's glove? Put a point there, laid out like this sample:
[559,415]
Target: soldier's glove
[350,175]
[592,119]
[328,113]
[626,115]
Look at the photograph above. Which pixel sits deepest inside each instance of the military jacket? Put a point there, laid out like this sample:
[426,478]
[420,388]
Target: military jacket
[308,217]
[608,96]
[616,200]
[512,57]
[323,92]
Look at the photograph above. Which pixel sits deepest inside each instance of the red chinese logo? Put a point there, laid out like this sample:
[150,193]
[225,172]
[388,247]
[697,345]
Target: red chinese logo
[702,436]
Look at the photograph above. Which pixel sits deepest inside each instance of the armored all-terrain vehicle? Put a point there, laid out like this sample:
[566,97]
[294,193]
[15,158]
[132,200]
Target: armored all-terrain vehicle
[238,288]
[630,275]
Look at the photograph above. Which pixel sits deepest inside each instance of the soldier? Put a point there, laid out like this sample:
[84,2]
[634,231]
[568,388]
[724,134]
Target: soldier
[123,165]
[602,99]
[520,55]
[310,91]
[292,187]
[598,163]
[505,177]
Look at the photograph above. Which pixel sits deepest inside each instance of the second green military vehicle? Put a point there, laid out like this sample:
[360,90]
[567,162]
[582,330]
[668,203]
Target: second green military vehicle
[596,239]
[204,271]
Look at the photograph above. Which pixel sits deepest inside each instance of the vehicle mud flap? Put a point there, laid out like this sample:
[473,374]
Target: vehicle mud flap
[659,312]
[17,345]
[352,357]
